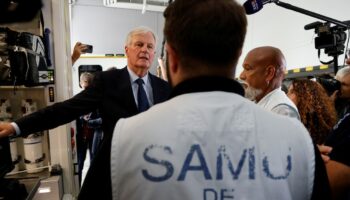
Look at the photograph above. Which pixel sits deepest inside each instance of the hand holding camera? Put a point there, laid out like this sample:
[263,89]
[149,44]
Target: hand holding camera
[82,48]
[86,48]
[79,49]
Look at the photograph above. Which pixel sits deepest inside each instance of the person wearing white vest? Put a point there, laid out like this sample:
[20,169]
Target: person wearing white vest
[263,72]
[208,141]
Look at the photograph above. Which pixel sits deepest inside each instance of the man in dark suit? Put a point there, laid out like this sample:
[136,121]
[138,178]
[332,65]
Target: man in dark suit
[114,93]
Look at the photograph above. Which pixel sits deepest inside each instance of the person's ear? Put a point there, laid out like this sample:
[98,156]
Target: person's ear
[172,58]
[270,73]
[126,49]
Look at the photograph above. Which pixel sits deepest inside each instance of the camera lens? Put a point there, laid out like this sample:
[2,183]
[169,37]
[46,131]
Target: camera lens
[330,85]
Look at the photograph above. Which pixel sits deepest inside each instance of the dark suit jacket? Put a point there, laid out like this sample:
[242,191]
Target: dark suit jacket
[111,94]
[97,184]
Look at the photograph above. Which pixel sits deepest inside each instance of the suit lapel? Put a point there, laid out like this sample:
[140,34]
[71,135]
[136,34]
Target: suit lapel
[159,95]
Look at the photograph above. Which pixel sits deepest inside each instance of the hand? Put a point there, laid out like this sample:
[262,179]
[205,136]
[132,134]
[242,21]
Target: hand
[324,150]
[79,49]
[334,96]
[86,117]
[162,69]
[348,61]
[6,129]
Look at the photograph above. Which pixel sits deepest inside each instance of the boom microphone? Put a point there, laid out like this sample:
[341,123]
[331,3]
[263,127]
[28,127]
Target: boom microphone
[312,25]
[253,6]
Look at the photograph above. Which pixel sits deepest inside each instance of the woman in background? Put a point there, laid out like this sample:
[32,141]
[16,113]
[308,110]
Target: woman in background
[316,109]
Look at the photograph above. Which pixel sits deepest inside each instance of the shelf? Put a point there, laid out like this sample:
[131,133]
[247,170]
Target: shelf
[103,56]
[41,175]
[30,181]
[32,185]
[21,87]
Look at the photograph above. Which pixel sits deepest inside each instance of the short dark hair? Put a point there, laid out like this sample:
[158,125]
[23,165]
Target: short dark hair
[208,31]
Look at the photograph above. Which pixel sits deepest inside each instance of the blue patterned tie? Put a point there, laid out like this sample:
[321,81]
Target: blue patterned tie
[141,96]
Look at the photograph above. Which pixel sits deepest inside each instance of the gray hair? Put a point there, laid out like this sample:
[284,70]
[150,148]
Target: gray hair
[87,76]
[139,30]
[343,72]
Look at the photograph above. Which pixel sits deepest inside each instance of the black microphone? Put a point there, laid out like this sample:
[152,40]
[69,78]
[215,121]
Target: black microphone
[312,25]
[253,6]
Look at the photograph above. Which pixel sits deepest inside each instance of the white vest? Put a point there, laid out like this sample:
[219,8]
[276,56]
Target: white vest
[211,146]
[275,98]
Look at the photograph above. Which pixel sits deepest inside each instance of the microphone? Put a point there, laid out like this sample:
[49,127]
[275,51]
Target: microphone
[253,6]
[317,24]
[312,25]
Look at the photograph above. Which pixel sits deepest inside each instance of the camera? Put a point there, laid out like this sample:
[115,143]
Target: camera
[330,85]
[88,49]
[330,38]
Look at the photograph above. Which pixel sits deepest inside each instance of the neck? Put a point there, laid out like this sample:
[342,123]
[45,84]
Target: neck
[199,72]
[265,92]
[139,72]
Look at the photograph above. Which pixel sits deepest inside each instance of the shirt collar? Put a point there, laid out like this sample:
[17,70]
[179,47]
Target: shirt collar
[267,97]
[134,77]
[207,84]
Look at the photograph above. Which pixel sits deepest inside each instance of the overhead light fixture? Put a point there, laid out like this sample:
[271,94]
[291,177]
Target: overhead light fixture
[149,5]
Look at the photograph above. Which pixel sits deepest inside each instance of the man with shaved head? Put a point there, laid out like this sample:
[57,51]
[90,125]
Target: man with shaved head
[264,72]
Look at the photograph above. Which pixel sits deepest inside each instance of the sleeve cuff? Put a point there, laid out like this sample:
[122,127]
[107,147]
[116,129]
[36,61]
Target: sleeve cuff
[15,126]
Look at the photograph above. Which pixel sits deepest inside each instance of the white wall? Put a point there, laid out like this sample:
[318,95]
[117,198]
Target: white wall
[106,28]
